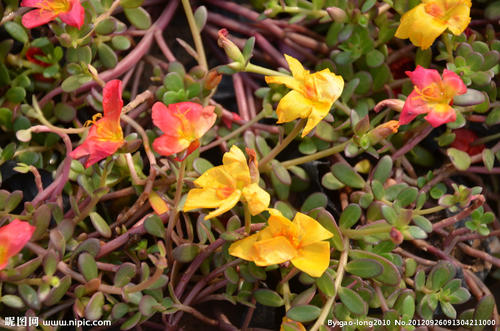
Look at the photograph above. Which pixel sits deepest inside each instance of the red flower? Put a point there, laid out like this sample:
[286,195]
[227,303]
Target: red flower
[182,124]
[432,95]
[463,140]
[31,56]
[105,136]
[13,237]
[70,12]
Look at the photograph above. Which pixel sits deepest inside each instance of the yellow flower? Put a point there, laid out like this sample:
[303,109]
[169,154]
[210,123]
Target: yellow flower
[289,324]
[223,186]
[427,21]
[300,242]
[311,97]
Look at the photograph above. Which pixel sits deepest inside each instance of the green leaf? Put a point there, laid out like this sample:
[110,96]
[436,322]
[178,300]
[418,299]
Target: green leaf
[330,182]
[131,3]
[186,252]
[313,201]
[72,83]
[383,169]
[106,26]
[374,58]
[6,117]
[353,301]
[350,216]
[347,175]
[154,226]
[281,173]
[100,225]
[16,31]
[200,17]
[326,282]
[108,57]
[390,274]
[268,298]
[87,266]
[488,158]
[461,160]
[303,313]
[138,17]
[93,310]
[364,268]
[124,274]
[56,294]
[16,94]
[120,43]
[484,311]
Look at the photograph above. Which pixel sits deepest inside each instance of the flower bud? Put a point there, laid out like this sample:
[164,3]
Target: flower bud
[379,133]
[212,80]
[394,104]
[253,165]
[232,51]
[337,14]
[396,236]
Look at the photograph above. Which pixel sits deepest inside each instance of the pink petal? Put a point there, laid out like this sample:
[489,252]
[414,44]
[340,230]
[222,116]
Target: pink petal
[14,236]
[75,16]
[444,115]
[414,106]
[95,149]
[112,102]
[422,77]
[31,3]
[453,82]
[164,118]
[170,144]
[37,17]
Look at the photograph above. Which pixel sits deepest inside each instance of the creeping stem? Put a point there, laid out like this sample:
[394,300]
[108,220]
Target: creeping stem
[202,60]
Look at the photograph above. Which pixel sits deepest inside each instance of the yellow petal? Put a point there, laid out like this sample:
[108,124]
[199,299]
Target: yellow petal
[310,230]
[202,198]
[290,82]
[226,205]
[157,203]
[459,17]
[292,106]
[318,112]
[273,251]
[296,67]
[256,198]
[328,86]
[215,177]
[420,27]
[313,259]
[244,248]
[235,164]
[280,225]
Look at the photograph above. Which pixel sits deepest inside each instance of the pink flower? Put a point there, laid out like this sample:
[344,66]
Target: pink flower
[13,237]
[182,124]
[432,96]
[106,135]
[70,12]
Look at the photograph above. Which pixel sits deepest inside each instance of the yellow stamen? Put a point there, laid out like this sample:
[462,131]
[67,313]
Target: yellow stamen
[93,120]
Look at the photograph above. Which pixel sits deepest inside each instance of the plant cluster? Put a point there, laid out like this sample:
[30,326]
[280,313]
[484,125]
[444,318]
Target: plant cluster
[311,164]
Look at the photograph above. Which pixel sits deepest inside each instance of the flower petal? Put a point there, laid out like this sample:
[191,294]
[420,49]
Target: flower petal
[296,67]
[202,198]
[310,230]
[290,82]
[313,259]
[37,17]
[95,150]
[328,86]
[292,106]
[318,112]
[279,225]
[420,27]
[226,205]
[13,237]
[459,16]
[244,248]
[273,251]
[112,102]
[75,16]
[235,164]
[215,177]
[169,144]
[414,106]
[453,83]
[256,198]
[32,3]
[422,78]
[441,114]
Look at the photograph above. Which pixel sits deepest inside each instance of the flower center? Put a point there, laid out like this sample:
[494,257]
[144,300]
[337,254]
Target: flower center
[56,6]
[3,254]
[434,9]
[434,93]
[185,129]
[224,192]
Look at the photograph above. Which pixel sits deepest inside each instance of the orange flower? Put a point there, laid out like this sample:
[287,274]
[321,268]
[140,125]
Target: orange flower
[182,124]
[432,96]
[13,237]
[424,23]
[70,12]
[105,136]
